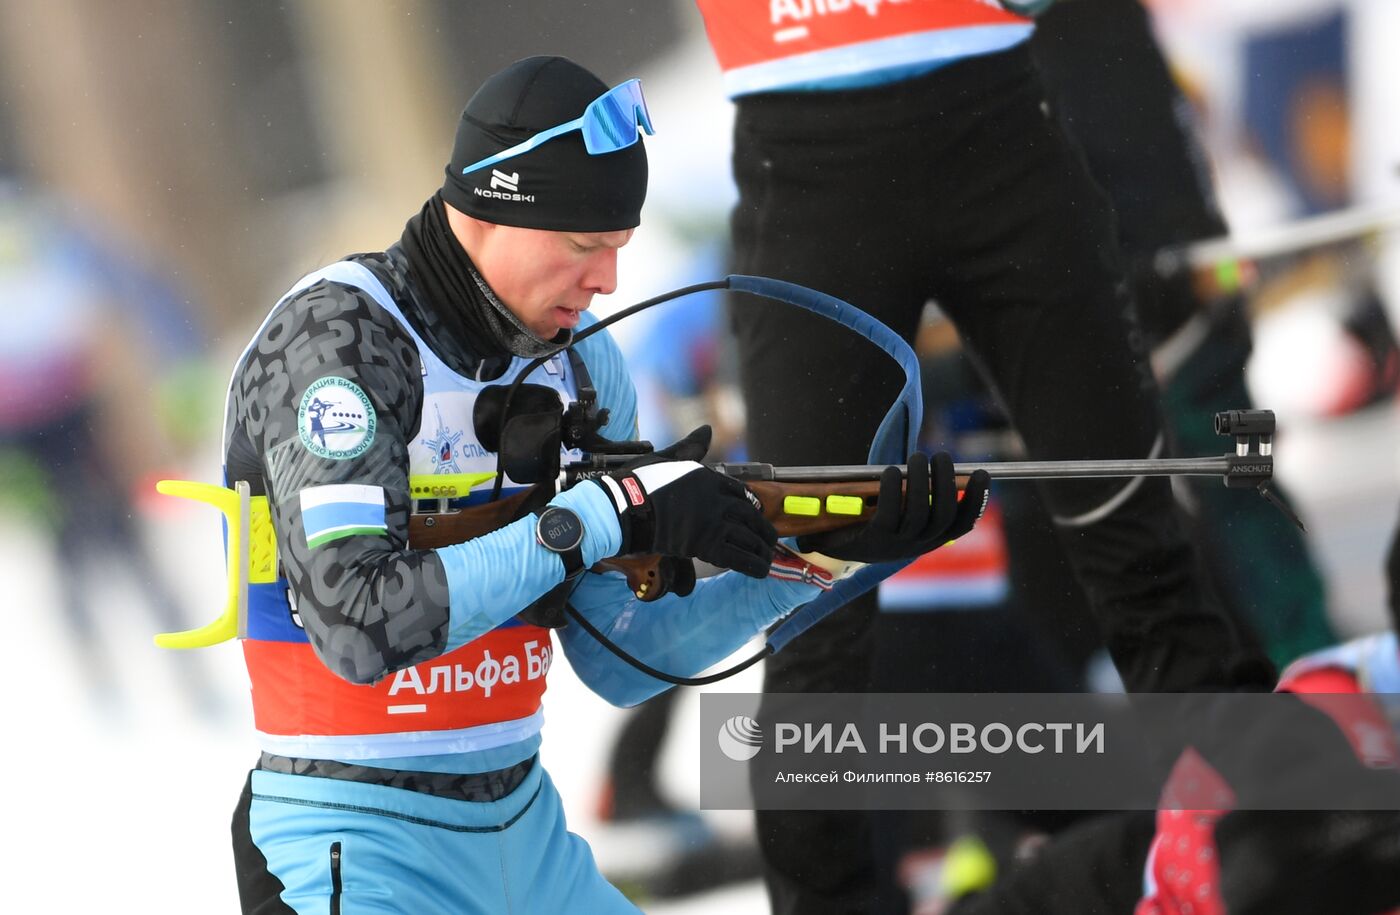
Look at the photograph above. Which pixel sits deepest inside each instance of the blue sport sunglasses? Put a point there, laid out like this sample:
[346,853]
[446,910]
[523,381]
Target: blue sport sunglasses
[611,122]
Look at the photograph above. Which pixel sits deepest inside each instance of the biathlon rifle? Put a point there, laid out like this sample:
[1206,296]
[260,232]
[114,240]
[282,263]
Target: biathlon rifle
[796,500]
[533,429]
[811,500]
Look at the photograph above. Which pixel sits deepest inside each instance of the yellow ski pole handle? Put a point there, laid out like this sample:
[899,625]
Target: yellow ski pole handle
[252,557]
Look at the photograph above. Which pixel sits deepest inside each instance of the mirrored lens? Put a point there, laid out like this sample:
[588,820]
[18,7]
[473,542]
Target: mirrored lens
[612,120]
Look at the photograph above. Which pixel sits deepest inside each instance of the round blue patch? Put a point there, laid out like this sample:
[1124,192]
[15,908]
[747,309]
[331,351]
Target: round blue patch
[336,419]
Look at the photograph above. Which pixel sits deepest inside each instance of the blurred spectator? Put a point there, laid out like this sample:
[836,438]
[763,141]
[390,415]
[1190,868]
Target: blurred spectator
[86,338]
[1327,347]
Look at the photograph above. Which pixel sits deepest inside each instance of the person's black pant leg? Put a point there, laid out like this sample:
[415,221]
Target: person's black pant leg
[815,394]
[955,186]
[960,186]
[1036,288]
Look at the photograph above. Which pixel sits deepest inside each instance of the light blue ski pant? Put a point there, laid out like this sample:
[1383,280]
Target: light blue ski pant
[335,847]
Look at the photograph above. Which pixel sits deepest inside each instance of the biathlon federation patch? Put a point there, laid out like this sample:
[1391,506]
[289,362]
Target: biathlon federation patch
[336,419]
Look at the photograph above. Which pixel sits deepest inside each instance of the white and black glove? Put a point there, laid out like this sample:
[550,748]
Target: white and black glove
[669,503]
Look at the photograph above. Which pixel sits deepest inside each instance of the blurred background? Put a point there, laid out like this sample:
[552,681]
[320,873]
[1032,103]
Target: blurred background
[168,168]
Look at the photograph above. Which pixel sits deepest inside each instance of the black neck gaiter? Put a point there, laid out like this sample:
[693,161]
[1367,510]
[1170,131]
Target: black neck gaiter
[458,297]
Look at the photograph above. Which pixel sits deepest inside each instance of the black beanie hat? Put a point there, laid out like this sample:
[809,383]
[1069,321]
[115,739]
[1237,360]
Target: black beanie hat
[557,185]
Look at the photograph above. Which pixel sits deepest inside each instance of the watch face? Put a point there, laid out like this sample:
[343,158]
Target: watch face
[559,529]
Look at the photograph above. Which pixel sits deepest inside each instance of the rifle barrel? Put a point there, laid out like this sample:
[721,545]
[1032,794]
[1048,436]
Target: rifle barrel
[1004,470]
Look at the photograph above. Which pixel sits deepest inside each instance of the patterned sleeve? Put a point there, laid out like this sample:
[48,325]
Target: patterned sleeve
[323,407]
[327,399]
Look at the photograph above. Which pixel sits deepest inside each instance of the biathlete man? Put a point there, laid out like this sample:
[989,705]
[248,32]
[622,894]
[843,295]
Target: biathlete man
[396,691]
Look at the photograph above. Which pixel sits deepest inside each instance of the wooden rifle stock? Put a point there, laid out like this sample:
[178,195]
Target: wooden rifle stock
[793,508]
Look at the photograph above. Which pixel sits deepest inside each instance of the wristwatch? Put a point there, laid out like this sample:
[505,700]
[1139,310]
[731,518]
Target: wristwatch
[560,530]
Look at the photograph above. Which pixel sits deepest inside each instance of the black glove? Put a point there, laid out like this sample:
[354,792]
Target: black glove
[905,526]
[693,447]
[669,503]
